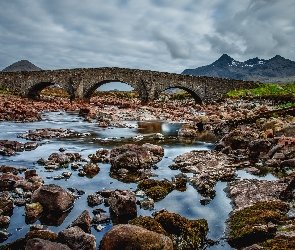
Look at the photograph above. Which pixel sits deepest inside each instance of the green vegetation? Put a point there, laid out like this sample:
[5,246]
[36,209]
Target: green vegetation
[6,91]
[251,225]
[156,189]
[181,95]
[264,90]
[191,234]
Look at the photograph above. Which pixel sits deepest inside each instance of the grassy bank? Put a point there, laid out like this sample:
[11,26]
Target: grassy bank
[264,91]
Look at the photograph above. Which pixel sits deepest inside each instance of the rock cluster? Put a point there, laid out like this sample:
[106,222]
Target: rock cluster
[9,148]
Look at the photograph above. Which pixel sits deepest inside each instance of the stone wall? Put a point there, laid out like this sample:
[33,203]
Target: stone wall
[81,83]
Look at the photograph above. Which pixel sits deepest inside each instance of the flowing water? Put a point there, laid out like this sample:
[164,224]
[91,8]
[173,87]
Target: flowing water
[185,203]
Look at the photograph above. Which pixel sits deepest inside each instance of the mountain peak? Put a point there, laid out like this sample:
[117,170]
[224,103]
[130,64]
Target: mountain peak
[224,60]
[275,70]
[22,65]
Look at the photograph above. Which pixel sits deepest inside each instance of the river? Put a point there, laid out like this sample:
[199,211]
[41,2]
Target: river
[185,203]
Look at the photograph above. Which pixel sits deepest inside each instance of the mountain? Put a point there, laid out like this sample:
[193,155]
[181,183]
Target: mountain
[275,70]
[23,65]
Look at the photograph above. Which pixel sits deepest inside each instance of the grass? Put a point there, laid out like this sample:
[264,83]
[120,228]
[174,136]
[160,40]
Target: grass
[264,90]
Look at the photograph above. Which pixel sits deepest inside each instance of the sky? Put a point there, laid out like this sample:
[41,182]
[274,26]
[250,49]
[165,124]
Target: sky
[159,35]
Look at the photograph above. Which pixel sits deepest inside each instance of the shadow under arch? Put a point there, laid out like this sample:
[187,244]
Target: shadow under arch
[35,91]
[193,94]
[89,93]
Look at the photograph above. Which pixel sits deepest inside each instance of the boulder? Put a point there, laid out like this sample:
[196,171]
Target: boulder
[4,221]
[75,238]
[123,202]
[53,198]
[6,203]
[40,244]
[246,192]
[94,200]
[239,139]
[133,157]
[134,237]
[83,221]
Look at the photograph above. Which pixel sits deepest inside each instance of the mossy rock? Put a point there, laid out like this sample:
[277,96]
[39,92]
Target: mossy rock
[157,193]
[190,234]
[148,223]
[252,224]
[156,189]
[280,242]
[148,183]
[42,234]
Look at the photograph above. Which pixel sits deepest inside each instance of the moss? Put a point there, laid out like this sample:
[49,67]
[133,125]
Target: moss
[280,242]
[42,234]
[156,189]
[190,234]
[148,223]
[250,225]
[157,193]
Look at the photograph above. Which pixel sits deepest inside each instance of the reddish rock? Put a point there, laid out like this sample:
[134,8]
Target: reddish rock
[76,239]
[53,198]
[133,157]
[41,244]
[83,221]
[123,202]
[6,204]
[125,237]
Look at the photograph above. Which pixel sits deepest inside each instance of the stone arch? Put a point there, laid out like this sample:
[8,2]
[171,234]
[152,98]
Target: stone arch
[194,95]
[35,90]
[91,88]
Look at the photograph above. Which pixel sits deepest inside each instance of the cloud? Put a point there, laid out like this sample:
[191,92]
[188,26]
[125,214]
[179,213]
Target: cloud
[159,35]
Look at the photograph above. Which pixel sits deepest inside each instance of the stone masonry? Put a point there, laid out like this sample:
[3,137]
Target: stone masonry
[81,83]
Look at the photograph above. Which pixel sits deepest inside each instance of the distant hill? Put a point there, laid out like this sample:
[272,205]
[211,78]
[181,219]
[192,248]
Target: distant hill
[23,65]
[275,70]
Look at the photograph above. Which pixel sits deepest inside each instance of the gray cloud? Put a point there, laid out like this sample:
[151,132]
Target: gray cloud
[160,35]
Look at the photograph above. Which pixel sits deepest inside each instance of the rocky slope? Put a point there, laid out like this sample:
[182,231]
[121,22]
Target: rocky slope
[275,70]
[23,65]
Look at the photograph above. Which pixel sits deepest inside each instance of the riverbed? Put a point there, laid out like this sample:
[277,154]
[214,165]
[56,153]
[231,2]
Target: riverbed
[186,203]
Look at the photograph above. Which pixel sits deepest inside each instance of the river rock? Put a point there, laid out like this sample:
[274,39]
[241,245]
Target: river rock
[7,180]
[4,221]
[134,237]
[53,198]
[83,221]
[33,210]
[41,244]
[246,192]
[239,139]
[101,155]
[133,157]
[75,238]
[6,203]
[123,202]
[188,130]
[91,169]
[208,168]
[94,200]
[9,169]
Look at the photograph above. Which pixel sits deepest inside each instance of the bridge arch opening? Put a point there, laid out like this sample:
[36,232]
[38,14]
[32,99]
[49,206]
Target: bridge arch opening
[47,89]
[180,93]
[107,86]
[113,92]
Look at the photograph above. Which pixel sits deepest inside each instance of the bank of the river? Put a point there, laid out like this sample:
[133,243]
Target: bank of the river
[253,162]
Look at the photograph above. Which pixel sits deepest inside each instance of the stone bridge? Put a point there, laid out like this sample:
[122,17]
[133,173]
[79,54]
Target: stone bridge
[81,83]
